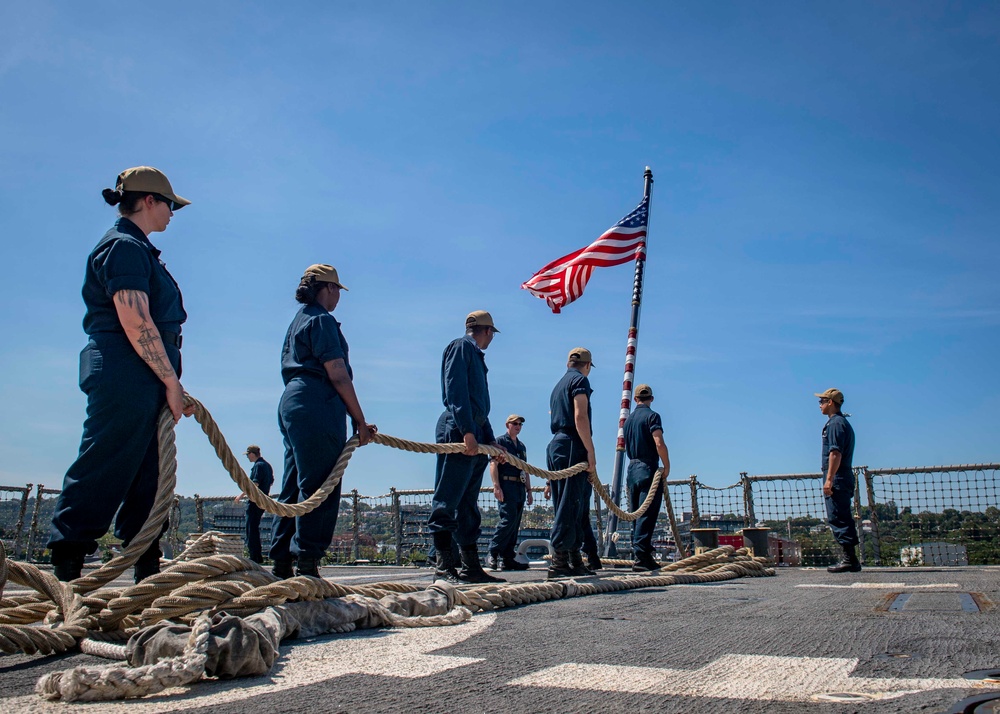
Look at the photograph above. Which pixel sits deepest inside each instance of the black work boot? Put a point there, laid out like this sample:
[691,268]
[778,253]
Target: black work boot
[849,562]
[445,569]
[493,561]
[148,563]
[594,561]
[472,570]
[644,563]
[308,566]
[513,564]
[560,567]
[577,565]
[67,563]
[282,568]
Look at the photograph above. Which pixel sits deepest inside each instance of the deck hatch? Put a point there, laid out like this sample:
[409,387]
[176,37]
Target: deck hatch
[934,602]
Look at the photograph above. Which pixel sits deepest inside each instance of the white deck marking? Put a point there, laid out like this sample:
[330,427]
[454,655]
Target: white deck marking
[880,586]
[760,677]
[390,653]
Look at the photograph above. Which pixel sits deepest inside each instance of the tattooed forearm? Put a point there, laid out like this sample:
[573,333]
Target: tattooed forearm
[134,299]
[133,310]
[151,350]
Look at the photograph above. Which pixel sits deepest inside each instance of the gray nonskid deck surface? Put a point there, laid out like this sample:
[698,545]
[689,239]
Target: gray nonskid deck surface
[747,645]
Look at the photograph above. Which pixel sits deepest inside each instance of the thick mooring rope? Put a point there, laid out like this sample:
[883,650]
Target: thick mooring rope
[195,588]
[291,510]
[93,684]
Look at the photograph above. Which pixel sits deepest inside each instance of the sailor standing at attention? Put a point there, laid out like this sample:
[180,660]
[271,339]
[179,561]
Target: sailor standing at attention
[645,447]
[465,420]
[262,475]
[571,443]
[312,415]
[512,488]
[838,484]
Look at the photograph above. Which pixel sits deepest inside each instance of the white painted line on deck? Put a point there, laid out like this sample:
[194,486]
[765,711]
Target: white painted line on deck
[734,676]
[389,653]
[880,586]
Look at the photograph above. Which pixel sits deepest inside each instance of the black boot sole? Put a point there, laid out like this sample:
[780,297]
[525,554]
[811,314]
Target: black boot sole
[560,574]
[515,565]
[283,570]
[844,569]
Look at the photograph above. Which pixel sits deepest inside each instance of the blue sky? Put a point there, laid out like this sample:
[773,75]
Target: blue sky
[824,213]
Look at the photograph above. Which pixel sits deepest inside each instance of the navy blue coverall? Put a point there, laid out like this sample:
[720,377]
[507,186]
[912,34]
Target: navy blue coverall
[458,478]
[263,475]
[838,435]
[571,495]
[313,422]
[118,462]
[504,541]
[639,428]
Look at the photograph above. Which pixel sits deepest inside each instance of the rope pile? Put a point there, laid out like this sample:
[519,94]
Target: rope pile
[196,586]
[211,543]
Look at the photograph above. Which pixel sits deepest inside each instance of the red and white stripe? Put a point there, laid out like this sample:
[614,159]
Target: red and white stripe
[626,406]
[562,281]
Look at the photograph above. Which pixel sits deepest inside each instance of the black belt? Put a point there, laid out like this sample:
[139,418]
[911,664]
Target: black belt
[512,478]
[172,338]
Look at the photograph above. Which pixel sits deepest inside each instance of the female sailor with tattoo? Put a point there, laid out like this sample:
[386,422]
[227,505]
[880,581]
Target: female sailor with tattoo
[129,369]
[312,415]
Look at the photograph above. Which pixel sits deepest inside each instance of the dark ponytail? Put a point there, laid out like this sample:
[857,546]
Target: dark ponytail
[111,197]
[307,290]
[127,201]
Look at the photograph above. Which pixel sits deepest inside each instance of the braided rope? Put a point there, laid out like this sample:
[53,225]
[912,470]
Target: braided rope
[89,684]
[456,448]
[622,514]
[71,616]
[292,510]
[211,543]
[201,585]
[167,594]
[99,648]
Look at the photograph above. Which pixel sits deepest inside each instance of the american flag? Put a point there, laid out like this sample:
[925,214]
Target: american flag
[562,281]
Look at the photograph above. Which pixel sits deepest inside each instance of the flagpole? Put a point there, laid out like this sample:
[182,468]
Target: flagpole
[630,350]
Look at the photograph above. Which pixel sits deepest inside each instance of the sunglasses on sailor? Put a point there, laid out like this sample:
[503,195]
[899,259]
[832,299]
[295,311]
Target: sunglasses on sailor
[172,205]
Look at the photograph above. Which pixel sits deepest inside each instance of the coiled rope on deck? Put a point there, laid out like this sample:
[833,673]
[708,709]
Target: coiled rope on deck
[83,612]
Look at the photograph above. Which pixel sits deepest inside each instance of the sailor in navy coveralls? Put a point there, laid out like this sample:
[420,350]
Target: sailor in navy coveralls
[512,488]
[312,416]
[572,443]
[465,420]
[838,483]
[645,447]
[262,475]
[129,369]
